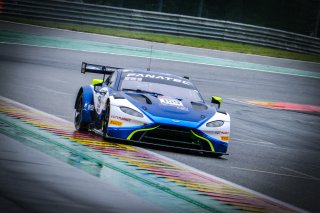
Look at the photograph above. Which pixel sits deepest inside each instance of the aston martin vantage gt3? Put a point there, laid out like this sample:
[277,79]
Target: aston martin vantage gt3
[151,107]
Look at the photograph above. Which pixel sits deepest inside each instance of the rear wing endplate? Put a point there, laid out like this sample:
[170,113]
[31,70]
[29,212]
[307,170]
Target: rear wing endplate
[100,69]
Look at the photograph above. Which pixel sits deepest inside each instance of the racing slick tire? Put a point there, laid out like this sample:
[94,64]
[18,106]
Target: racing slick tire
[78,122]
[105,121]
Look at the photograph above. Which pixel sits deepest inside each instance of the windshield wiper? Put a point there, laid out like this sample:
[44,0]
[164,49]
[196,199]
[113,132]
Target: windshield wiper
[142,91]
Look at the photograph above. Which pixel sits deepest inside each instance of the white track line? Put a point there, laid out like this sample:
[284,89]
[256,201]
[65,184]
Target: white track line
[275,173]
[301,173]
[255,142]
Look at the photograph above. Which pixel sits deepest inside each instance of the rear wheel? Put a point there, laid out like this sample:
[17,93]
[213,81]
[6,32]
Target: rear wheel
[105,121]
[78,122]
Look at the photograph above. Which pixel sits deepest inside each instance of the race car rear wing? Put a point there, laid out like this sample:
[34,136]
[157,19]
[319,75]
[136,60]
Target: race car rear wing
[100,69]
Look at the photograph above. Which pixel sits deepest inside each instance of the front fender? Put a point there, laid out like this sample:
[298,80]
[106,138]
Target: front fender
[87,103]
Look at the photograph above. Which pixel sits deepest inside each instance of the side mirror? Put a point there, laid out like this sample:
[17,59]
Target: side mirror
[216,100]
[97,82]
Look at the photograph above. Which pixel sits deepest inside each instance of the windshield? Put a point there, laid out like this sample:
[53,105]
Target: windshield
[160,84]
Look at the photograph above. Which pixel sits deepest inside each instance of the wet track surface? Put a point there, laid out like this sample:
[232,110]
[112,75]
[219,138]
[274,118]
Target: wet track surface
[274,152]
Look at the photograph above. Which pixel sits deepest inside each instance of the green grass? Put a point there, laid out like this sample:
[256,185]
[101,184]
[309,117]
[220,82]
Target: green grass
[178,40]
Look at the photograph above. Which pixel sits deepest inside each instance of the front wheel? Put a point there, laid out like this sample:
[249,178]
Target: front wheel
[78,122]
[105,121]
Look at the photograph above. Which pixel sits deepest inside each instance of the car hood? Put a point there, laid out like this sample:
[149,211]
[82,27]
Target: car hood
[159,108]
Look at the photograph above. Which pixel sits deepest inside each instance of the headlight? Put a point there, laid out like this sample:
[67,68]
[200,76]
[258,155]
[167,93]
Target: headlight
[215,123]
[131,112]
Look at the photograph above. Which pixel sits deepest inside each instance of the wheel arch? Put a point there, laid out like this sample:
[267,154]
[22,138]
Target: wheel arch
[87,102]
[78,97]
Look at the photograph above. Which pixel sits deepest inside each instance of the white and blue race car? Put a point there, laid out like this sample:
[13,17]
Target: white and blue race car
[150,107]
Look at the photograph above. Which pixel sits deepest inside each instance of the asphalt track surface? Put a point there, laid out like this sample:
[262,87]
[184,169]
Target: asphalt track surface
[273,152]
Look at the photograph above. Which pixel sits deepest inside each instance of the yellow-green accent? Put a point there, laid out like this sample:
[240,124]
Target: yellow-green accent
[96,81]
[216,99]
[198,136]
[140,130]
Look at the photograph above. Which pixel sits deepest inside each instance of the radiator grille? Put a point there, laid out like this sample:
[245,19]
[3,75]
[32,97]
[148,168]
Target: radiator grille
[172,136]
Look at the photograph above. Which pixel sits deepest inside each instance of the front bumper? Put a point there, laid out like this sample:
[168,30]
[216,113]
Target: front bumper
[170,136]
